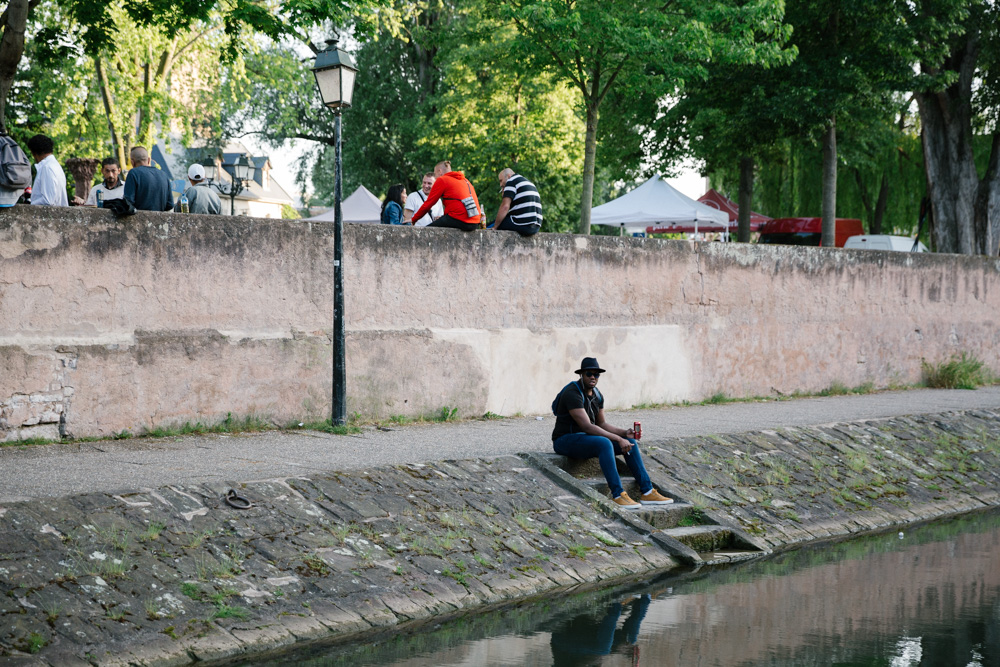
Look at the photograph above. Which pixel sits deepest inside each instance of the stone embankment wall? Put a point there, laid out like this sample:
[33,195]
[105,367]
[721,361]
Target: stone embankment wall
[158,319]
[173,575]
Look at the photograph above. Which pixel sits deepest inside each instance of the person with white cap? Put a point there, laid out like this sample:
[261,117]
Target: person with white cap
[581,432]
[201,197]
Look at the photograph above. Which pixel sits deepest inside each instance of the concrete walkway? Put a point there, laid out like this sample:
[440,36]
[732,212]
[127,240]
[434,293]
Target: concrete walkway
[125,465]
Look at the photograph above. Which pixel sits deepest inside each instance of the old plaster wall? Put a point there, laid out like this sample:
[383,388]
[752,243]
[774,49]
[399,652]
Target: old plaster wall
[157,319]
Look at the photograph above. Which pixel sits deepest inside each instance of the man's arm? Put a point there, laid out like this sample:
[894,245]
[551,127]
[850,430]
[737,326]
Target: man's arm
[601,428]
[436,191]
[620,432]
[502,212]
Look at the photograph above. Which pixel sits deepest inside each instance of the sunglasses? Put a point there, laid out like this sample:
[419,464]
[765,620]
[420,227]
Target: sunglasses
[591,374]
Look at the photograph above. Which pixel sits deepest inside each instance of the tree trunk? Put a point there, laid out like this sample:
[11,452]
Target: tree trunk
[987,206]
[589,161]
[83,171]
[745,197]
[866,201]
[829,237]
[952,182]
[880,205]
[117,146]
[15,20]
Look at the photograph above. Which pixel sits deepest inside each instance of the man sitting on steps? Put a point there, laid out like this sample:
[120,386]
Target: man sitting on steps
[582,433]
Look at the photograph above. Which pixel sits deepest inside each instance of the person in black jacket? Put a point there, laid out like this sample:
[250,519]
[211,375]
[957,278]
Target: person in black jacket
[581,432]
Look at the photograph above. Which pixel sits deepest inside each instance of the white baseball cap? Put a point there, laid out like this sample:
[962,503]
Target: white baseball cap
[196,172]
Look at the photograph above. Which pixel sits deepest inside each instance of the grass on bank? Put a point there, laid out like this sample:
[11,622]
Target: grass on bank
[257,424]
[961,371]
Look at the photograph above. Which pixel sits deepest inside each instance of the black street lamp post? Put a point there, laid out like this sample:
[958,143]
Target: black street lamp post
[335,73]
[242,174]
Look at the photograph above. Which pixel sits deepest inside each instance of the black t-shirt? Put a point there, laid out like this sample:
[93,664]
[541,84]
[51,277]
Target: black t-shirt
[572,398]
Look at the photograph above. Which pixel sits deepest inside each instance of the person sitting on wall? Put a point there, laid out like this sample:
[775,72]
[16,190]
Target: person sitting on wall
[201,197]
[520,207]
[392,205]
[581,432]
[49,187]
[146,187]
[112,187]
[461,204]
[418,197]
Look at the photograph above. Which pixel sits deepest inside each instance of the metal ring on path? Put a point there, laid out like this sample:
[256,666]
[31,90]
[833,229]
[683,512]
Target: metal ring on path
[236,501]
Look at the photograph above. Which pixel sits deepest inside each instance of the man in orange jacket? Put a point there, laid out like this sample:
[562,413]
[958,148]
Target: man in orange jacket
[461,205]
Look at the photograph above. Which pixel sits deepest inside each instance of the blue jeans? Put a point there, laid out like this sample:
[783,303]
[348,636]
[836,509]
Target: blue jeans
[583,446]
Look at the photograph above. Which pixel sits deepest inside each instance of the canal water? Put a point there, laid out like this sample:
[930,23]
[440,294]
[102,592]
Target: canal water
[927,596]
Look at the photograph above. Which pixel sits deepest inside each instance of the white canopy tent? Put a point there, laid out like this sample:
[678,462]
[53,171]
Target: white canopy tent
[656,204]
[362,207]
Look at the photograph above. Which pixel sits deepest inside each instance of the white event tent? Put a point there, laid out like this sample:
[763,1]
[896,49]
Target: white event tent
[362,206]
[656,204]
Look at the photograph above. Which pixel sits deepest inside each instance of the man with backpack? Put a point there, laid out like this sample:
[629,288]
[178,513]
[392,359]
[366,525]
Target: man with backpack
[49,188]
[15,171]
[581,432]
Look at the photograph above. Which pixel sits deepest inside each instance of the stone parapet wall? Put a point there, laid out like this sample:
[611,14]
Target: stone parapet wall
[157,319]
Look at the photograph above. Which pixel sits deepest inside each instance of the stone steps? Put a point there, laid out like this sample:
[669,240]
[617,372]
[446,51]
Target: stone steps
[703,539]
[697,536]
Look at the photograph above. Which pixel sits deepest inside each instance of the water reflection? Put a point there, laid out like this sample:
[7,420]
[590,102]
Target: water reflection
[583,639]
[931,598]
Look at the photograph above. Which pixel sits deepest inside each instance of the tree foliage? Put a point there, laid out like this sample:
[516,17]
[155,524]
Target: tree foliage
[957,46]
[637,48]
[457,95]
[149,66]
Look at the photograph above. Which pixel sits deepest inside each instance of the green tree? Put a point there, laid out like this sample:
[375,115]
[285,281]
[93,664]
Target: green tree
[957,46]
[730,117]
[446,89]
[148,59]
[14,22]
[597,46]
[852,56]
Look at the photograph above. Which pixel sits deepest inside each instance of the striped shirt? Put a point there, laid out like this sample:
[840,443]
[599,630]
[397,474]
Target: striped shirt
[525,204]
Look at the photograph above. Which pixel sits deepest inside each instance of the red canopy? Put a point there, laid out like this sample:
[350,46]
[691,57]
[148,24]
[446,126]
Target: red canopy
[716,201]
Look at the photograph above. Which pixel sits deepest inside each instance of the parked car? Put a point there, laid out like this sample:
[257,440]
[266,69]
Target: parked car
[807,231]
[885,242]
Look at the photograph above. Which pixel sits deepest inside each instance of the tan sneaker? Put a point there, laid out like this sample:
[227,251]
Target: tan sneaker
[654,498]
[626,503]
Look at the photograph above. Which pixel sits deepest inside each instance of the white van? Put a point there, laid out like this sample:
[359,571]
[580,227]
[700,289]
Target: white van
[885,242]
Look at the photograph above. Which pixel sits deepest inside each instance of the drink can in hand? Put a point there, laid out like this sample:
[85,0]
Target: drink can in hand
[637,428]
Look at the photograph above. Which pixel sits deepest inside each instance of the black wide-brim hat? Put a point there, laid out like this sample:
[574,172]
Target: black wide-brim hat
[589,364]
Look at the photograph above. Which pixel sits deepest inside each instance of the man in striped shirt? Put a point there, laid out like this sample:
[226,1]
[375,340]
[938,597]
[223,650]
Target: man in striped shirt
[521,207]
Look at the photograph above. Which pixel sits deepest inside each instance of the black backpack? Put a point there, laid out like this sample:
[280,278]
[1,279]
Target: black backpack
[555,402]
[15,170]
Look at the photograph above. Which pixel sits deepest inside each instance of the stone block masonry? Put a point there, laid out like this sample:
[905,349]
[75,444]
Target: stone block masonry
[157,319]
[173,575]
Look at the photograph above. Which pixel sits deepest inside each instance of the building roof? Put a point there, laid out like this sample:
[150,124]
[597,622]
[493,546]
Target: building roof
[176,159]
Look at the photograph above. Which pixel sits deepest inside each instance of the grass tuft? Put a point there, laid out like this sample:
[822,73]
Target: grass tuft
[962,371]
[327,426]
